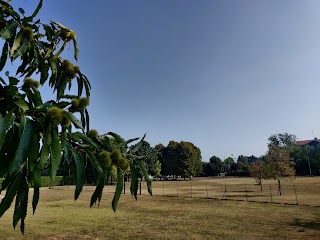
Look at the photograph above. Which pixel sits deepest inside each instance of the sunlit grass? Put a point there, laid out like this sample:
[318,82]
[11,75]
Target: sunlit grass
[158,217]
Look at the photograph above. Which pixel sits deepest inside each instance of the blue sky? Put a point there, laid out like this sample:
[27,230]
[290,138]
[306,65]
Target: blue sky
[224,75]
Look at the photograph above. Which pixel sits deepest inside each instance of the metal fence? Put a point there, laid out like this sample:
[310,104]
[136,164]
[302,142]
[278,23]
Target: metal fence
[291,193]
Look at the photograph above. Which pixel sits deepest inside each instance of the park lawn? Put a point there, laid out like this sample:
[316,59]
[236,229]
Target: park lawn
[158,217]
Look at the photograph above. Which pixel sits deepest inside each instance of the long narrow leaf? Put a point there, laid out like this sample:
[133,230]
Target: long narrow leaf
[35,198]
[119,188]
[22,196]
[34,151]
[146,175]
[55,149]
[10,194]
[23,148]
[4,55]
[86,139]
[76,49]
[16,43]
[95,162]
[2,131]
[80,169]
[22,49]
[8,119]
[87,119]
[74,120]
[98,191]
[139,145]
[46,146]
[116,137]
[9,31]
[37,9]
[134,180]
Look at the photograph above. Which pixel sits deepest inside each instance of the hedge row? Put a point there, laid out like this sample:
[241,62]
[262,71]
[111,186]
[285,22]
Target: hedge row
[46,181]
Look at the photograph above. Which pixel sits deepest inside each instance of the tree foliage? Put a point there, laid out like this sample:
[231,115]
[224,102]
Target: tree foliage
[282,140]
[180,159]
[279,164]
[213,167]
[34,133]
[257,170]
[150,156]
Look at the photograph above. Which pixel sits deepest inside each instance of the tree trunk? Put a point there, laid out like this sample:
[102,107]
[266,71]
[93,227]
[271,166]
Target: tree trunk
[280,191]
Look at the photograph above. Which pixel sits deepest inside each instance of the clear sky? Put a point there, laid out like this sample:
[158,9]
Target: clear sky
[224,75]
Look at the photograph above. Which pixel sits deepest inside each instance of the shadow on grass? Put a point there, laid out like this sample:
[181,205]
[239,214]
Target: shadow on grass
[306,224]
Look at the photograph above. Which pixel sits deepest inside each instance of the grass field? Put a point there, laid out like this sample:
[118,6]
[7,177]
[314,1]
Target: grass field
[172,217]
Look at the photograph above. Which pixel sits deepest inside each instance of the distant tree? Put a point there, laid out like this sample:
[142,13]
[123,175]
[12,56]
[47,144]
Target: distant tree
[279,164]
[207,169]
[216,165]
[180,159]
[228,162]
[243,165]
[157,169]
[282,140]
[257,170]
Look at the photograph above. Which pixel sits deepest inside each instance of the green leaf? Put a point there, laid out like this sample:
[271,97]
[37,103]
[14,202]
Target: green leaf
[2,81]
[22,104]
[146,175]
[9,31]
[134,180]
[98,191]
[4,55]
[9,119]
[54,67]
[16,43]
[37,9]
[123,144]
[49,32]
[139,145]
[23,48]
[55,153]
[20,211]
[76,49]
[2,131]
[116,137]
[23,148]
[21,11]
[37,101]
[94,162]
[119,187]
[87,118]
[9,149]
[34,151]
[10,194]
[46,146]
[64,136]
[80,86]
[13,81]
[35,198]
[80,169]
[67,151]
[85,138]
[44,73]
[74,120]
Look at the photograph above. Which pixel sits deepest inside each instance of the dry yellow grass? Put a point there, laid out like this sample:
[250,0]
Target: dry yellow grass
[158,217]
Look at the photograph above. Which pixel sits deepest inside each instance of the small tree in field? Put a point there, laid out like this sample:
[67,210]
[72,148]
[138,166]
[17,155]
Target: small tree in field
[279,164]
[257,170]
[34,134]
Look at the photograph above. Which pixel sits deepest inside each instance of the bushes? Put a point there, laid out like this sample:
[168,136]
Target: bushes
[46,181]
